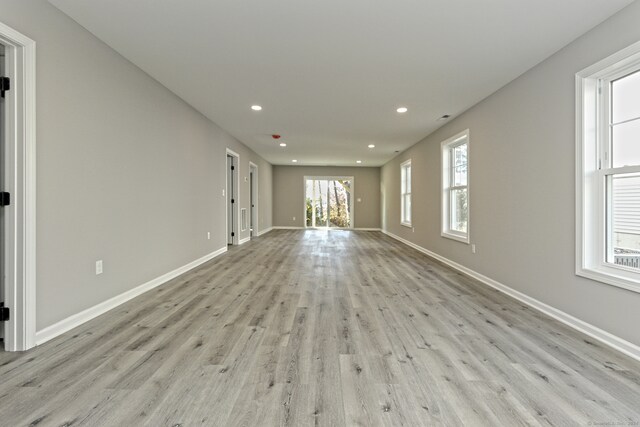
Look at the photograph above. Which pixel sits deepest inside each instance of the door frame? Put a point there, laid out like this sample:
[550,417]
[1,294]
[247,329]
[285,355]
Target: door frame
[351,208]
[236,190]
[20,181]
[253,202]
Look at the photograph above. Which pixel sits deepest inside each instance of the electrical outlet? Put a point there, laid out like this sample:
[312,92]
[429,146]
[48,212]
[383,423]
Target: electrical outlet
[473,248]
[223,193]
[294,218]
[98,267]
[413,229]
[208,235]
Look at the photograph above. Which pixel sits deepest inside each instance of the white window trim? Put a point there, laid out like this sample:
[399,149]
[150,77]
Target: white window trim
[402,207]
[445,147]
[590,179]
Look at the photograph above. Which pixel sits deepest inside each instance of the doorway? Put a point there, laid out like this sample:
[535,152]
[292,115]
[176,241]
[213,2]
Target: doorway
[2,186]
[233,159]
[328,202]
[18,191]
[253,189]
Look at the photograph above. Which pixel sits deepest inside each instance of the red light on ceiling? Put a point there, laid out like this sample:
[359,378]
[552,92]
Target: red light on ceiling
[275,136]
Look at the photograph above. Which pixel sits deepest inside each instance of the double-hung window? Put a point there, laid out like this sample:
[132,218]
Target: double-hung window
[455,187]
[608,170]
[405,193]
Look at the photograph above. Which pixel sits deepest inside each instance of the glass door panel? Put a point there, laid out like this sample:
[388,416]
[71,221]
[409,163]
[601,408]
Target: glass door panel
[321,203]
[309,202]
[340,203]
[328,203]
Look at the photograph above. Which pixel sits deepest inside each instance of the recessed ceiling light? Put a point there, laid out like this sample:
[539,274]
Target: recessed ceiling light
[294,161]
[358,161]
[371,146]
[256,107]
[283,144]
[402,110]
[445,117]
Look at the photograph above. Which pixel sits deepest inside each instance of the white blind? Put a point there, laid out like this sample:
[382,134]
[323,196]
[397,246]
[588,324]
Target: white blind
[626,206]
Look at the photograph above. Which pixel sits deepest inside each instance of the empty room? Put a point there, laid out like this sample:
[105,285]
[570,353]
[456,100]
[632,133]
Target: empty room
[333,213]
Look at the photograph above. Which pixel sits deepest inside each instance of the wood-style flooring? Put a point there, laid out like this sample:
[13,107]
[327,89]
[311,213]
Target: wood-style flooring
[336,328]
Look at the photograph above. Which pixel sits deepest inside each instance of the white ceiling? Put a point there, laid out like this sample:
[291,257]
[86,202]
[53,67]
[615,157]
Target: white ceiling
[331,73]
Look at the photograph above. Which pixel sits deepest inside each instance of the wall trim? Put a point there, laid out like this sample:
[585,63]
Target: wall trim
[276,227]
[367,229]
[265,231]
[245,240]
[607,338]
[78,319]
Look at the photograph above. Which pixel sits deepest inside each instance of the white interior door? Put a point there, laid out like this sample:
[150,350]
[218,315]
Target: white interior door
[253,209]
[231,201]
[2,172]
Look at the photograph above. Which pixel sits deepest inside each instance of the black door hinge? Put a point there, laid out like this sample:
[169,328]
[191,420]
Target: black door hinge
[233,200]
[4,312]
[233,168]
[5,85]
[233,234]
[5,198]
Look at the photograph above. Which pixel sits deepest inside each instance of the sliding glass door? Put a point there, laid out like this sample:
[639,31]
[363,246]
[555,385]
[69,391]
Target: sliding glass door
[328,202]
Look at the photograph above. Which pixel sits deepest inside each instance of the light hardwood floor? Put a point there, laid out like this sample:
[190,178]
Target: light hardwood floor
[320,328]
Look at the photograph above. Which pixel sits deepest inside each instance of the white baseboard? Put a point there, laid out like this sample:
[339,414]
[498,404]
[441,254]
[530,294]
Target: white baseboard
[265,231]
[78,319]
[243,241]
[324,228]
[613,341]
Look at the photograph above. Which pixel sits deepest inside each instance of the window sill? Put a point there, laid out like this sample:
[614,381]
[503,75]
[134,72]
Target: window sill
[462,238]
[609,278]
[406,224]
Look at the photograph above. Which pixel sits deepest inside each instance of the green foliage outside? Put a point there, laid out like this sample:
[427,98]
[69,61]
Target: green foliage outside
[339,195]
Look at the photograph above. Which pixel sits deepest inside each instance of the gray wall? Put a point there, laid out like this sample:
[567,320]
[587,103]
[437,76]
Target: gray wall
[127,172]
[288,193]
[522,186]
